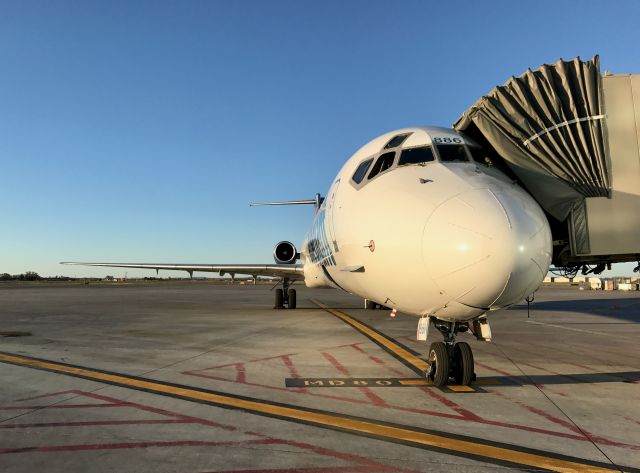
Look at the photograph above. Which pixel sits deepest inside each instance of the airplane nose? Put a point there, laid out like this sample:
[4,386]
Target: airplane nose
[487,248]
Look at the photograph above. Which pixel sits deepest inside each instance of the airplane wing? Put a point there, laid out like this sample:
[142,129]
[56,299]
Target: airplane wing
[290,271]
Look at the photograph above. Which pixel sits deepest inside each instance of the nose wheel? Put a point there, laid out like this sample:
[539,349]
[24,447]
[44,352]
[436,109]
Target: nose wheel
[438,364]
[462,368]
[449,359]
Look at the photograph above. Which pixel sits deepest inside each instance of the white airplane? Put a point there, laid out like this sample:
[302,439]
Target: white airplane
[412,223]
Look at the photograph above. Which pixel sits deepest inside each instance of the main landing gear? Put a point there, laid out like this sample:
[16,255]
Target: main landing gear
[449,359]
[285,296]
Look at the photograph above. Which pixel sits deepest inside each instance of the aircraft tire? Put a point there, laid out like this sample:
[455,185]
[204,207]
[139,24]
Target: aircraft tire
[279,299]
[439,359]
[369,304]
[292,298]
[463,370]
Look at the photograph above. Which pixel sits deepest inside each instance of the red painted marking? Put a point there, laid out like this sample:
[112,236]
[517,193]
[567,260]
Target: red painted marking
[375,359]
[466,414]
[323,451]
[276,388]
[335,364]
[469,416]
[632,420]
[89,423]
[585,434]
[293,372]
[57,406]
[118,446]
[339,455]
[375,399]
[253,360]
[42,396]
[113,402]
[155,410]
[327,469]
[415,410]
[361,463]
[459,416]
[241,373]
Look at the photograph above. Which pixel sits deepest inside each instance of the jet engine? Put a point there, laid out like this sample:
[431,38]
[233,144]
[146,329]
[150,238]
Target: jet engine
[285,253]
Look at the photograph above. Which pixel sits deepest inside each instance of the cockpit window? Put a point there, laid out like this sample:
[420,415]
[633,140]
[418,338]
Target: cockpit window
[396,141]
[384,162]
[419,155]
[358,176]
[452,153]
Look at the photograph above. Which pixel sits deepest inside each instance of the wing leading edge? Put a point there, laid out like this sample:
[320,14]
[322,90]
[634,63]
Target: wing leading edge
[290,271]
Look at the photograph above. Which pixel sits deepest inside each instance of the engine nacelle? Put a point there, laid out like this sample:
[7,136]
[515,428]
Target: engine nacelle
[285,252]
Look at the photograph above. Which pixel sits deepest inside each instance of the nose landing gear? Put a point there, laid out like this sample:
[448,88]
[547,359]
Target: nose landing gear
[449,359]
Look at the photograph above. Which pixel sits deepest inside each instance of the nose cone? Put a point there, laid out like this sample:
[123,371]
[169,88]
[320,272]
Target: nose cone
[487,248]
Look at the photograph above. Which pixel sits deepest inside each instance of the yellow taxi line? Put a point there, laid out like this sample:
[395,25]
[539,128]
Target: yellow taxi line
[398,350]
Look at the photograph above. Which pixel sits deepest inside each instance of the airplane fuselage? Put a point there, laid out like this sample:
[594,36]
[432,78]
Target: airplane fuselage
[426,230]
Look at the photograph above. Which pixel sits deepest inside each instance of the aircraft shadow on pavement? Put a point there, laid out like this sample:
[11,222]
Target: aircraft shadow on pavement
[627,309]
[569,378]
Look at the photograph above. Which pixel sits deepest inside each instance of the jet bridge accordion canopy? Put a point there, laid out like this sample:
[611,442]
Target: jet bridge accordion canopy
[548,125]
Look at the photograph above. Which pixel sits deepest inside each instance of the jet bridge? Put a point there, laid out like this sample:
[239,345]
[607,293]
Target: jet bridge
[570,137]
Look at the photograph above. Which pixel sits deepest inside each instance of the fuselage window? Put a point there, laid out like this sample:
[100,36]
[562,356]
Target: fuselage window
[384,162]
[358,176]
[452,153]
[424,154]
[396,141]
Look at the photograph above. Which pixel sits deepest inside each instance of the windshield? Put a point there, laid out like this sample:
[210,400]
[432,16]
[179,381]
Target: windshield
[384,162]
[419,155]
[452,153]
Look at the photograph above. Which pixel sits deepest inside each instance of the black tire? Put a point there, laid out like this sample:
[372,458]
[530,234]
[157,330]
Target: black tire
[463,369]
[291,293]
[439,361]
[369,304]
[279,299]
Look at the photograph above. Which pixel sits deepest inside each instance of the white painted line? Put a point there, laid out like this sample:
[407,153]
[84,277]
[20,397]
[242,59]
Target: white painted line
[573,329]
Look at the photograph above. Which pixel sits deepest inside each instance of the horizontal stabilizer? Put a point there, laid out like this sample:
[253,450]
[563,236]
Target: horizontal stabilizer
[316,201]
[286,202]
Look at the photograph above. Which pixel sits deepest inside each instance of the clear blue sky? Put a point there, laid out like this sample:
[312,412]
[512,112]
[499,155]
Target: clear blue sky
[139,131]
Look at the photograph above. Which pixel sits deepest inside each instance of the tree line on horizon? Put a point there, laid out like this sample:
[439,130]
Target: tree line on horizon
[27,276]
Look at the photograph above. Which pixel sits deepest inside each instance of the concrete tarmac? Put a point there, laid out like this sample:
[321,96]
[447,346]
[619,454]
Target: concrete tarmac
[196,377]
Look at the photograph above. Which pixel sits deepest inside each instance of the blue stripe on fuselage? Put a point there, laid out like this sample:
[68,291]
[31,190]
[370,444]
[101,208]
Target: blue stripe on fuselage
[318,248]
